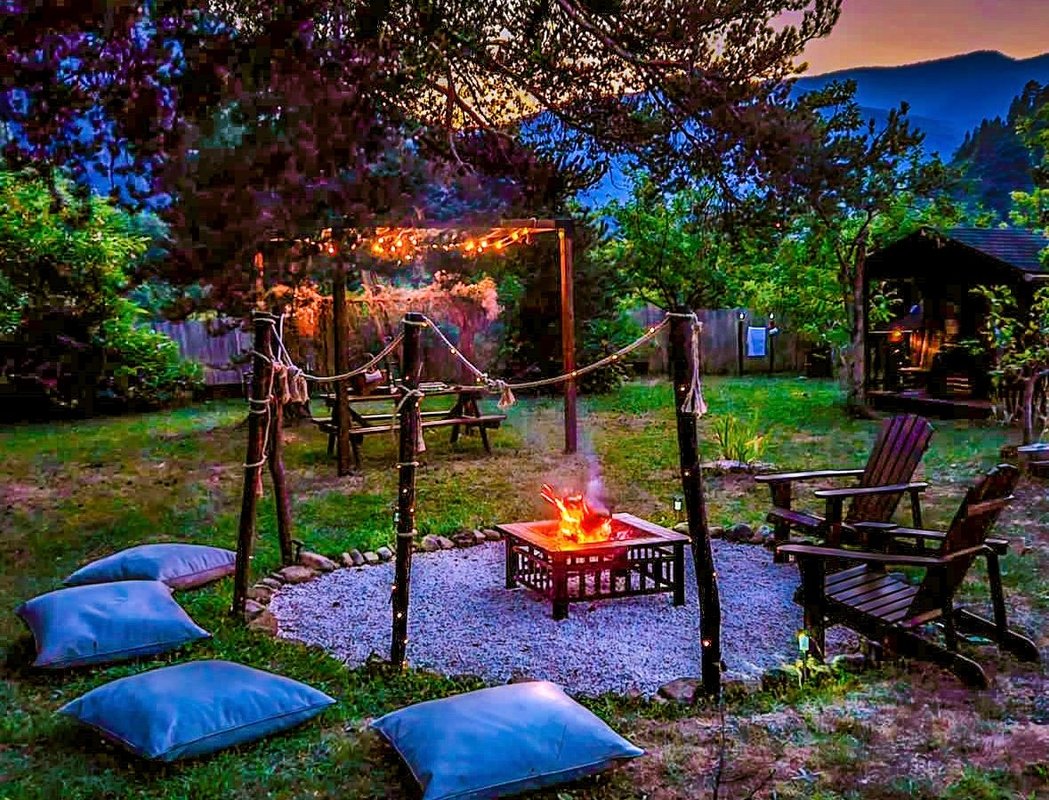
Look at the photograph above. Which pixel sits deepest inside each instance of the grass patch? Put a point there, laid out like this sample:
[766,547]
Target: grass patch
[73,491]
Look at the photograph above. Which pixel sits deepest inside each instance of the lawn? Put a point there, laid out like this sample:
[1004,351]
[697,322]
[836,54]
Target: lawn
[70,492]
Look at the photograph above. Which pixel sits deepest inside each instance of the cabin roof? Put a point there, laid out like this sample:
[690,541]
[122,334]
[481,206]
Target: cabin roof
[1016,247]
[973,250]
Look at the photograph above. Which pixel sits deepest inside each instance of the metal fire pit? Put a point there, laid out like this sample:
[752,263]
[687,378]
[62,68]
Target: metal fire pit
[643,558]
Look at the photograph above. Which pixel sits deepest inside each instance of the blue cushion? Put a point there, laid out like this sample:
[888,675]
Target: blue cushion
[501,741]
[106,622]
[180,566]
[195,708]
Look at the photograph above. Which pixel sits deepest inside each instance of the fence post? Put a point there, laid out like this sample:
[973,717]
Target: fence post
[260,410]
[341,412]
[409,419]
[685,357]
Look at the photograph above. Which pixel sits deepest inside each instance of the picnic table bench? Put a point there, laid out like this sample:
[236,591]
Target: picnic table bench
[464,414]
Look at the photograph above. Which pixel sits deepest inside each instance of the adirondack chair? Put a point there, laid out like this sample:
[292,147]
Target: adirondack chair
[900,445]
[887,609]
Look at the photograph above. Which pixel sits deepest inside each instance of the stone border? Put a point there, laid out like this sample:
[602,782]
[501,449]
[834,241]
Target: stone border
[681,690]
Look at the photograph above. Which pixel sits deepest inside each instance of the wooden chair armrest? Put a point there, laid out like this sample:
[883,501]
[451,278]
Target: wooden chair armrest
[858,491]
[805,551]
[788,477]
[998,545]
[874,526]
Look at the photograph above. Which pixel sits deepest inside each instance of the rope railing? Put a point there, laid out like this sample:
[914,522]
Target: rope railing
[694,403]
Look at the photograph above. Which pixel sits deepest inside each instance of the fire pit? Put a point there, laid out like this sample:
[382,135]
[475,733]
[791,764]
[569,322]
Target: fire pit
[634,557]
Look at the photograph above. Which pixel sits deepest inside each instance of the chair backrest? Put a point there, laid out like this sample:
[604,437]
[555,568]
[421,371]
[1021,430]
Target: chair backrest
[976,516]
[901,443]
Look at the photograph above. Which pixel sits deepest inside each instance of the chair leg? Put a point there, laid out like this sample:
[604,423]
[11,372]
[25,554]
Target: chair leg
[781,496]
[812,589]
[950,632]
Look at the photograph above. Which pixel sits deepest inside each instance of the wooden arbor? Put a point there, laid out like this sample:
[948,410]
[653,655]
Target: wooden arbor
[470,241]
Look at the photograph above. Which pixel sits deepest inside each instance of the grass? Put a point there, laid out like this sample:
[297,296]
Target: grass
[70,492]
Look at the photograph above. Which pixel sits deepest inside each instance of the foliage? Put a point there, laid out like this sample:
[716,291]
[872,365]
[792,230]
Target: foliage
[250,121]
[64,262]
[738,440]
[669,251]
[994,159]
[1019,338]
[1031,208]
[859,182]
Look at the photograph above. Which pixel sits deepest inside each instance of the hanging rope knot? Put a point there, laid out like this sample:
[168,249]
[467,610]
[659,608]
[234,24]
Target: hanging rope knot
[694,403]
[417,395]
[506,395]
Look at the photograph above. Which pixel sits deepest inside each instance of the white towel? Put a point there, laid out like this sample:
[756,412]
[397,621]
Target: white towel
[756,342]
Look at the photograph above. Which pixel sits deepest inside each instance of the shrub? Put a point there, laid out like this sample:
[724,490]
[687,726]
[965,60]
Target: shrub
[738,440]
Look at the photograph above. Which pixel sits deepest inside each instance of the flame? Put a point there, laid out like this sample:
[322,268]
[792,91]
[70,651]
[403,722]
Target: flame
[581,523]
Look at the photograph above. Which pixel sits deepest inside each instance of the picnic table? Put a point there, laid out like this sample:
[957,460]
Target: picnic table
[463,414]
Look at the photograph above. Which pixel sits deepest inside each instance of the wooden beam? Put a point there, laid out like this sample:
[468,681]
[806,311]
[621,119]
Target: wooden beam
[565,233]
[259,409]
[683,344]
[341,325]
[408,451]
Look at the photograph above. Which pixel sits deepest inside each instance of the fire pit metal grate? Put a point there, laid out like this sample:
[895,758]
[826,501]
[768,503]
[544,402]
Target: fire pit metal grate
[642,559]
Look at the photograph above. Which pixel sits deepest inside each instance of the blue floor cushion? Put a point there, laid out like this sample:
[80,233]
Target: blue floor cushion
[106,622]
[196,708]
[180,566]
[501,741]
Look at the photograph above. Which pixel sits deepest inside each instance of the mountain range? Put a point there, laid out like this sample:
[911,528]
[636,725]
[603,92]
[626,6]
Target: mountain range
[948,97]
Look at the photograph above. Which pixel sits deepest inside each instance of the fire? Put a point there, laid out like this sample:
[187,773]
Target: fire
[581,522]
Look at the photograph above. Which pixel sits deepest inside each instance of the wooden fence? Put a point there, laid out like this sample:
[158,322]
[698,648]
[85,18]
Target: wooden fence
[224,356]
[720,341]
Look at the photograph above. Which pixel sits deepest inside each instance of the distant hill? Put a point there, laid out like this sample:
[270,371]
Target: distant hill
[948,97]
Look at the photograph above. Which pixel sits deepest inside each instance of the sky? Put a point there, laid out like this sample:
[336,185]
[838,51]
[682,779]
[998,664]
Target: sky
[891,32]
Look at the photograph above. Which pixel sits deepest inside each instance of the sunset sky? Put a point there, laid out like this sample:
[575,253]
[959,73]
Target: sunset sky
[889,32]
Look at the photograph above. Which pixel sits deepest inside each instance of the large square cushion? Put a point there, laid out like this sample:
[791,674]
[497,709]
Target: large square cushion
[196,708]
[180,566]
[106,622]
[501,741]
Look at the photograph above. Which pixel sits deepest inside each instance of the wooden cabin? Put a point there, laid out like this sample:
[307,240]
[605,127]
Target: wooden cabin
[919,359]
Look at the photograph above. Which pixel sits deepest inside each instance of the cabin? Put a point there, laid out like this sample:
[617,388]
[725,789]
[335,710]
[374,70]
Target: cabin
[918,349]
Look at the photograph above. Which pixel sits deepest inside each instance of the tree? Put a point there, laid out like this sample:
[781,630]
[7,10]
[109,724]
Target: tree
[668,250]
[63,270]
[1031,208]
[1020,339]
[858,180]
[322,103]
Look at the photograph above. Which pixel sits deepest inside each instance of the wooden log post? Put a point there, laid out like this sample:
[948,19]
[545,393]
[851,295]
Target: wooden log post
[683,345]
[260,408]
[565,232]
[341,412]
[410,421]
[279,477]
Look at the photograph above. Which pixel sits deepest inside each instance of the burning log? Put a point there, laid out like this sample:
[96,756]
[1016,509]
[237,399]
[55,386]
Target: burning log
[582,520]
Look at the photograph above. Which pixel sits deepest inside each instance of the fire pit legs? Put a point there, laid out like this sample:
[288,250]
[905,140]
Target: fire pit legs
[679,574]
[560,587]
[650,562]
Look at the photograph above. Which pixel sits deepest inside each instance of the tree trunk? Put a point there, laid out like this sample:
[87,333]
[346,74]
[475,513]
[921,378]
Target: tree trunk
[341,412]
[1027,407]
[856,363]
[681,354]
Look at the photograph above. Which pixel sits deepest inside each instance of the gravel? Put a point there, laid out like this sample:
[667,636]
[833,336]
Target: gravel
[462,620]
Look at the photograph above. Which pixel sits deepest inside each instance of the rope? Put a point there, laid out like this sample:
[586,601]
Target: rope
[393,345]
[505,388]
[420,443]
[694,403]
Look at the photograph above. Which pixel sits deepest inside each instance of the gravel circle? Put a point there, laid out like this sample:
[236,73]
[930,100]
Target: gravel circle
[462,620]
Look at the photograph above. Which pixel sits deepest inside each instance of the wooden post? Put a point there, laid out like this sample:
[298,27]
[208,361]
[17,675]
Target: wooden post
[341,412]
[772,342]
[277,475]
[741,321]
[409,420]
[682,333]
[259,411]
[565,231]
